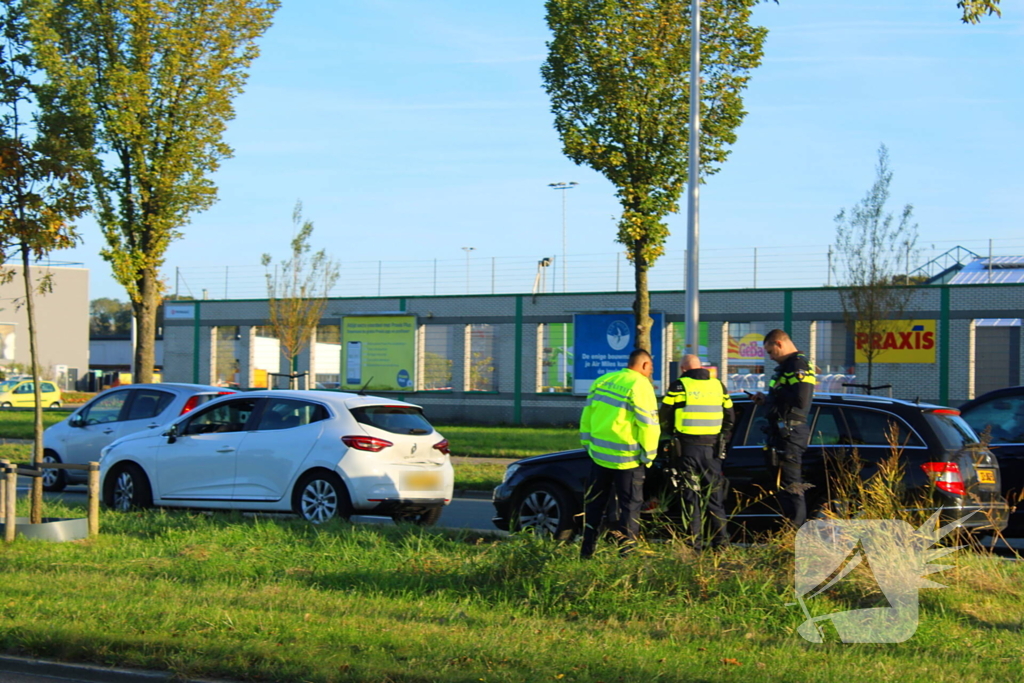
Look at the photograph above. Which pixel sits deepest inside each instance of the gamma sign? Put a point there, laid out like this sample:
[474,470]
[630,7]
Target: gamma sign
[898,341]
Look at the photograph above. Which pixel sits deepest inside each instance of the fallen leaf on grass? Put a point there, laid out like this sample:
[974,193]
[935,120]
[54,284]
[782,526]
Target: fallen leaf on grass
[731,662]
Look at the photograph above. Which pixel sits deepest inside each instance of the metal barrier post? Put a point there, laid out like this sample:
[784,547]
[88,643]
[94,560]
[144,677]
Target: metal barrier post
[11,485]
[94,499]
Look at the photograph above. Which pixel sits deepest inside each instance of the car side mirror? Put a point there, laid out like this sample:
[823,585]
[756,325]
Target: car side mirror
[76,421]
[171,433]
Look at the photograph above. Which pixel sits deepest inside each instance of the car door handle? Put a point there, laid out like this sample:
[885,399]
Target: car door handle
[108,431]
[226,449]
[152,426]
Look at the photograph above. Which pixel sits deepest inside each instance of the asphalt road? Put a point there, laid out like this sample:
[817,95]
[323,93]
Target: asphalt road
[461,513]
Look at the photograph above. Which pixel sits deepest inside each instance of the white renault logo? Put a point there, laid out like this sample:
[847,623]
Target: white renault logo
[413,449]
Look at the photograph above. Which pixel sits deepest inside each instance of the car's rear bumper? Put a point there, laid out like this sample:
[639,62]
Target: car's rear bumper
[984,517]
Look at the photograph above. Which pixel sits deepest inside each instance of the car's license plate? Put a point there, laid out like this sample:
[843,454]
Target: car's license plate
[987,476]
[420,481]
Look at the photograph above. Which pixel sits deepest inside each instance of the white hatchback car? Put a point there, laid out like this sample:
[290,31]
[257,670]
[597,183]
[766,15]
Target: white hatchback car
[315,453]
[114,413]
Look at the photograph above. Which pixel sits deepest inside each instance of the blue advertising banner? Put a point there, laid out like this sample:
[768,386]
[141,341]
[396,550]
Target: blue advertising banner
[602,344]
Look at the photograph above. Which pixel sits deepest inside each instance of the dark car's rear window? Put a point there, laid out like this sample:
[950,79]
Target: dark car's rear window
[951,429]
[394,419]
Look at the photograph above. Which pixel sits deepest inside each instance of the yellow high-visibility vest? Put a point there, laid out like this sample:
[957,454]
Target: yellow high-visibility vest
[704,408]
[619,426]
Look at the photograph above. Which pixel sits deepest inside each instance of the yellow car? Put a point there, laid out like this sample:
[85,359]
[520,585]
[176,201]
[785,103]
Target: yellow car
[21,394]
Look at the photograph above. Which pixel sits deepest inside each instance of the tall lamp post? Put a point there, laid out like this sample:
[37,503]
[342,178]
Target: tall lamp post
[467,250]
[693,203]
[563,187]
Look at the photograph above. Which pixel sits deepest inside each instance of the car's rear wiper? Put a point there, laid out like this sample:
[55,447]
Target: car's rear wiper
[419,431]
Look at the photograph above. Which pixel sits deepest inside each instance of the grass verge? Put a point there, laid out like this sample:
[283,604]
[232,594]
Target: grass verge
[272,599]
[508,442]
[18,424]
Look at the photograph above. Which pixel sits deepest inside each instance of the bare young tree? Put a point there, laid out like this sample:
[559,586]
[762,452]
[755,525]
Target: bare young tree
[297,290]
[874,250]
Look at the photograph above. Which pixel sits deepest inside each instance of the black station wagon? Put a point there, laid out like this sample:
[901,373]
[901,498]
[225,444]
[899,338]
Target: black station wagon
[941,456]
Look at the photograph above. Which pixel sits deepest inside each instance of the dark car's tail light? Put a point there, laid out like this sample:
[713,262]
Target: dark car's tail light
[366,443]
[442,446]
[946,477]
[194,400]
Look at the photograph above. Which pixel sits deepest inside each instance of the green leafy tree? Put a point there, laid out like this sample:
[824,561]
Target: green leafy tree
[156,80]
[43,150]
[874,249]
[618,74]
[297,290]
[109,317]
[974,10]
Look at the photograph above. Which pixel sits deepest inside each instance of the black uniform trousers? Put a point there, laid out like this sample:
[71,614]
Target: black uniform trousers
[703,493]
[791,496]
[628,488]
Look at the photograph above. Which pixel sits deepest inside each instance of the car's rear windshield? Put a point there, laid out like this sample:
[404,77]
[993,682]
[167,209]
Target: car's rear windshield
[951,429]
[394,419]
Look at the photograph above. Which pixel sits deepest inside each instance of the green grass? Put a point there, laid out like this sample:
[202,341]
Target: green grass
[272,599]
[508,442]
[18,424]
[478,477]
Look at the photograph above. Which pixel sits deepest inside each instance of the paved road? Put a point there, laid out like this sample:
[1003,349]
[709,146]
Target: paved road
[462,513]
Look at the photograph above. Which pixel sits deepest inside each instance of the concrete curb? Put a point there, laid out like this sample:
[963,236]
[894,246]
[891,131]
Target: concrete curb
[91,672]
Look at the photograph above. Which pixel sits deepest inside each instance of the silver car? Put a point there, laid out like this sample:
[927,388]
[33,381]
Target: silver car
[116,412]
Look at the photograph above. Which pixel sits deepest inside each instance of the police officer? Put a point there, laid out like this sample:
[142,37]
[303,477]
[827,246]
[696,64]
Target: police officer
[619,428]
[701,414]
[790,391]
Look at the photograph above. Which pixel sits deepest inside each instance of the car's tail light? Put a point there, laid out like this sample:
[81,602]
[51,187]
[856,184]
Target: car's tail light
[442,446]
[946,477]
[194,400]
[191,403]
[366,443]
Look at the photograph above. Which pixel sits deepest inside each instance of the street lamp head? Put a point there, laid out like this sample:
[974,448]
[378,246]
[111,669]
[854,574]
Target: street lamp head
[562,186]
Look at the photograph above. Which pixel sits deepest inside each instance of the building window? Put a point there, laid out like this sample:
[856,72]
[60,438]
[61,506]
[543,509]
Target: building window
[556,357]
[438,357]
[481,364]
[833,366]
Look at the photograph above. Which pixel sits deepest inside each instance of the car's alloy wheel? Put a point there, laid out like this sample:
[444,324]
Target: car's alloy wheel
[53,480]
[128,489]
[321,498]
[545,510]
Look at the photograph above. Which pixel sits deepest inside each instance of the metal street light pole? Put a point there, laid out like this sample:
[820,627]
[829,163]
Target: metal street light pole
[563,187]
[693,204]
[467,250]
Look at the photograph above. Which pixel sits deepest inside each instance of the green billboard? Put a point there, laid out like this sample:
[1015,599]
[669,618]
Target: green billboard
[378,352]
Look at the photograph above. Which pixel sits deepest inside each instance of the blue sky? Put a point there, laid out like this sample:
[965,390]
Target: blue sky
[412,129]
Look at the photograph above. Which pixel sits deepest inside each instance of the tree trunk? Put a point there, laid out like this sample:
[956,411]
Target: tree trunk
[642,302]
[145,316]
[36,514]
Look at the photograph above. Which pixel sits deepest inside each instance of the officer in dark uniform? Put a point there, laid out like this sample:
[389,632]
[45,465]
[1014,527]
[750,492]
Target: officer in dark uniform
[790,391]
[700,413]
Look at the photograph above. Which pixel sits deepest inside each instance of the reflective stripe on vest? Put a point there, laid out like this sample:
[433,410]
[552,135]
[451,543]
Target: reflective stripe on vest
[703,413]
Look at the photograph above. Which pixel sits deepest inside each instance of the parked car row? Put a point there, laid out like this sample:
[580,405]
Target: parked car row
[318,454]
[944,465]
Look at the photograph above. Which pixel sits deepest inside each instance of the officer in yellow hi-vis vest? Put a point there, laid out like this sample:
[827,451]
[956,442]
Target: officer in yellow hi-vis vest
[790,392]
[701,414]
[619,428]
